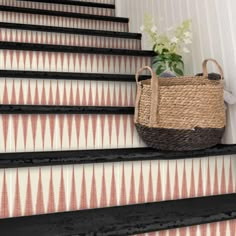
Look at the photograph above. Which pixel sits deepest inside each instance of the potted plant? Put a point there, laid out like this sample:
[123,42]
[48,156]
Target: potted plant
[169,46]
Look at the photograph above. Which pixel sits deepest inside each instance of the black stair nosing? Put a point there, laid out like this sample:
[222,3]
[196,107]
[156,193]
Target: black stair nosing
[74,3]
[76,157]
[73,49]
[69,76]
[57,109]
[63,14]
[65,30]
[126,220]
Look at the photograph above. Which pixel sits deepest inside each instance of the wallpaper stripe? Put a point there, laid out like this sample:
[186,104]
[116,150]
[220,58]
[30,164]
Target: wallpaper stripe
[62,188]
[60,7]
[24,18]
[66,92]
[24,36]
[71,62]
[23,133]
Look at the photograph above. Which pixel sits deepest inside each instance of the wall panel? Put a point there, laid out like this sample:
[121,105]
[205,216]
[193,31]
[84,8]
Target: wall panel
[214,35]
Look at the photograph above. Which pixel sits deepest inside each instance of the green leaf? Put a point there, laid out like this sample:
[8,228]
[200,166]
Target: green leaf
[178,71]
[159,70]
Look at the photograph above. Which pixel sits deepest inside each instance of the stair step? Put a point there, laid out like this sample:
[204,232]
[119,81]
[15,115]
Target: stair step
[97,1]
[23,33]
[44,57]
[59,187]
[74,157]
[67,30]
[126,220]
[62,19]
[51,132]
[65,6]
[54,109]
[12,74]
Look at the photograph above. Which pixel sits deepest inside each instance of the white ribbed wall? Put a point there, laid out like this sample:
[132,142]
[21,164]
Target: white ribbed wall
[214,35]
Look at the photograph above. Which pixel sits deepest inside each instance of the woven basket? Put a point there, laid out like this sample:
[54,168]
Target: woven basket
[180,113]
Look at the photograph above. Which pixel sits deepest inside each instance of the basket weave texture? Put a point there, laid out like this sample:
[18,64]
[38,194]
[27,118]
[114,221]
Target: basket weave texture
[180,113]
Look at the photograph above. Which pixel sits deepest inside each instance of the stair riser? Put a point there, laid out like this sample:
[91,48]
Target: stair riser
[24,36]
[24,18]
[71,62]
[67,92]
[25,133]
[60,7]
[30,191]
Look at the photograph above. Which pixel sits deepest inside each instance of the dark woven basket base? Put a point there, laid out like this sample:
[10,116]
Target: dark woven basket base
[180,140]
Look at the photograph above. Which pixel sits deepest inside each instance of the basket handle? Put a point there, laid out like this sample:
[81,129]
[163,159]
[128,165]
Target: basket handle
[141,70]
[204,67]
[154,96]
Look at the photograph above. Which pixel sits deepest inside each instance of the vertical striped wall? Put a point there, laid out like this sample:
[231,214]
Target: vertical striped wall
[214,35]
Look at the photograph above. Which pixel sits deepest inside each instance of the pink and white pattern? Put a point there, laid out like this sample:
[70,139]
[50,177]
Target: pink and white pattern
[23,133]
[60,7]
[24,18]
[66,92]
[71,62]
[39,190]
[24,36]
[29,132]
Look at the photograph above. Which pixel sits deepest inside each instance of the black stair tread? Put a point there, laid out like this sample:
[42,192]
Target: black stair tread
[69,76]
[53,109]
[63,14]
[75,3]
[30,159]
[126,220]
[73,49]
[65,30]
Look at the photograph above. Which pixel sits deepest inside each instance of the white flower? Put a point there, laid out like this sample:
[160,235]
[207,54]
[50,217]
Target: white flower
[174,40]
[154,29]
[142,28]
[186,50]
[188,34]
[187,41]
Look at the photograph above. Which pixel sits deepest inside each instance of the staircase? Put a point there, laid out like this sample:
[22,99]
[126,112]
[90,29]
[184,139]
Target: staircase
[67,83]
[90,60]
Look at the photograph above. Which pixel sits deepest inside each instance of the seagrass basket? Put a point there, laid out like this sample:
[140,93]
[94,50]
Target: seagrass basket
[180,113]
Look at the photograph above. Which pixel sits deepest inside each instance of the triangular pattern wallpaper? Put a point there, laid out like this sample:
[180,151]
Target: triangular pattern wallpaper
[49,189]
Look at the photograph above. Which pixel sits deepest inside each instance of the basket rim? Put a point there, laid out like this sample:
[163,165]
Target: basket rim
[182,81]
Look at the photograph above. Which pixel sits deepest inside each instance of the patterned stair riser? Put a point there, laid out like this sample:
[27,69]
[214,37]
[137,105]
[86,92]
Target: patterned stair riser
[25,18]
[71,62]
[66,92]
[23,133]
[25,36]
[29,191]
[60,7]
